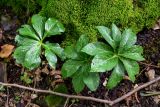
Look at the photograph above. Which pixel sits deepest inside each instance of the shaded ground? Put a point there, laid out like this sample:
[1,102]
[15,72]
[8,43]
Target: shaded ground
[45,78]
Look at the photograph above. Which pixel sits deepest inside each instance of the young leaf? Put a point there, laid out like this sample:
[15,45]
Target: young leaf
[116,76]
[51,58]
[82,41]
[106,33]
[131,67]
[38,23]
[27,31]
[53,27]
[102,63]
[97,48]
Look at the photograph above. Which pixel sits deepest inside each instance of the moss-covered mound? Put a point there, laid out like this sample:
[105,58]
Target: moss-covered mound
[81,16]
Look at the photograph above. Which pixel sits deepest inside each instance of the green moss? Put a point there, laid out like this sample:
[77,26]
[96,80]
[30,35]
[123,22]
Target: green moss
[81,16]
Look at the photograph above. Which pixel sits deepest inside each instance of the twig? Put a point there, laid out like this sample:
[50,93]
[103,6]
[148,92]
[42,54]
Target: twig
[85,97]
[67,100]
[150,65]
[135,90]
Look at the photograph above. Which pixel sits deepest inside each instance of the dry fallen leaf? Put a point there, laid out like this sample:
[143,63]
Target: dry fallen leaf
[150,74]
[45,70]
[6,50]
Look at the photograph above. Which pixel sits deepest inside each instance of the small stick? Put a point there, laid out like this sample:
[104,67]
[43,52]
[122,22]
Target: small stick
[111,103]
[65,105]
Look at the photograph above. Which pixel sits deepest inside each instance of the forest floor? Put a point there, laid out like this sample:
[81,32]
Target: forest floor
[44,78]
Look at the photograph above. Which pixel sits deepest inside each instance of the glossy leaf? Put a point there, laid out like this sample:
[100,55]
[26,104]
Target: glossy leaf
[21,40]
[116,76]
[51,58]
[20,52]
[32,57]
[133,56]
[102,63]
[131,67]
[128,39]
[116,34]
[78,83]
[134,49]
[70,52]
[31,40]
[82,41]
[92,81]
[70,67]
[106,33]
[97,48]
[56,49]
[28,31]
[53,27]
[38,23]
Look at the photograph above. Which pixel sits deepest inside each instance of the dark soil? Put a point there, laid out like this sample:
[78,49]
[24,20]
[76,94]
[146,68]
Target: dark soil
[148,38]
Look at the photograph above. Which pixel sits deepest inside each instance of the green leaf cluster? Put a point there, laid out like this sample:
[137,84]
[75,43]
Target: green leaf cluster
[78,65]
[31,42]
[118,54]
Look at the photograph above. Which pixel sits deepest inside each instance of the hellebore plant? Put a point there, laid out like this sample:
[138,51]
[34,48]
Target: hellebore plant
[119,54]
[78,65]
[31,41]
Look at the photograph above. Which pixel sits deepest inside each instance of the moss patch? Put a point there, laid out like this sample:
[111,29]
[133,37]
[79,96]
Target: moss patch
[81,16]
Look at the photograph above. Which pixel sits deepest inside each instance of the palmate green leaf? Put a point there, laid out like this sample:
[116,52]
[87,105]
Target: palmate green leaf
[133,49]
[97,48]
[77,82]
[82,41]
[32,57]
[116,34]
[106,33]
[56,49]
[91,80]
[131,67]
[20,52]
[70,52]
[27,31]
[128,39]
[38,23]
[116,76]
[103,62]
[53,27]
[51,58]
[133,53]
[21,39]
[133,56]
[70,67]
